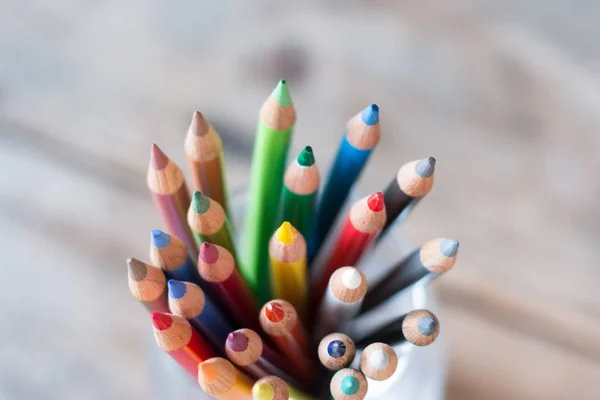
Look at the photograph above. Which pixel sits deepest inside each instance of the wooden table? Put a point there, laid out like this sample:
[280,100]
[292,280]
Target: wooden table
[503,94]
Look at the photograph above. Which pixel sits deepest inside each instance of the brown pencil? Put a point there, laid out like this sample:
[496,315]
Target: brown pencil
[204,152]
[171,197]
[433,258]
[220,379]
[378,361]
[148,284]
[246,349]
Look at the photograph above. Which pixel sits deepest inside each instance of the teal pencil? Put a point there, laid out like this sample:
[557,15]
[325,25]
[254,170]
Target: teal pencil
[273,134]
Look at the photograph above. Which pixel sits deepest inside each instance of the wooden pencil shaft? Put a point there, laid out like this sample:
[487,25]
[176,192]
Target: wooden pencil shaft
[172,209]
[209,178]
[396,202]
[148,285]
[220,379]
[333,313]
[234,296]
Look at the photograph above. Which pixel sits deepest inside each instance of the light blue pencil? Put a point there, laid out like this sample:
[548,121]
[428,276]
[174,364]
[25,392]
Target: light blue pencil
[171,255]
[188,300]
[361,136]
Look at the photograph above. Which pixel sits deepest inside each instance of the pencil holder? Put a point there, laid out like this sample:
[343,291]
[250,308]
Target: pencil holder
[421,371]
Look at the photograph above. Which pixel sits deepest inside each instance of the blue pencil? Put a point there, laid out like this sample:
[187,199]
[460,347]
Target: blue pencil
[171,255]
[188,300]
[361,136]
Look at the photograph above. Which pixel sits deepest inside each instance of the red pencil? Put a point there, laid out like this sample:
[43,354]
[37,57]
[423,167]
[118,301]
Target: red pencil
[171,197]
[217,267]
[363,224]
[280,321]
[176,337]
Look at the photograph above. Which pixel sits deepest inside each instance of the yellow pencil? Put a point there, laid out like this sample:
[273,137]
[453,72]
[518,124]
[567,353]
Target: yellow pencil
[289,281]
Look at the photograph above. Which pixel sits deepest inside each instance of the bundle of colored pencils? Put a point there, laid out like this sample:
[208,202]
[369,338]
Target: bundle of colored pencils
[243,318]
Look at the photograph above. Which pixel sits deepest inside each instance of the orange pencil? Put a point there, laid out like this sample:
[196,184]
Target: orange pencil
[280,321]
[176,337]
[171,197]
[204,152]
[220,379]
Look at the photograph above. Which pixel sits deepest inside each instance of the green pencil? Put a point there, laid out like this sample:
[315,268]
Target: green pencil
[208,222]
[300,185]
[275,125]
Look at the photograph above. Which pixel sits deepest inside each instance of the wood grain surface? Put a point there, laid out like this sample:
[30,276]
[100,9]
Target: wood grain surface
[505,94]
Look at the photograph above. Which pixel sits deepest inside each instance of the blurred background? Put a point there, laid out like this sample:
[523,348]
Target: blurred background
[505,94]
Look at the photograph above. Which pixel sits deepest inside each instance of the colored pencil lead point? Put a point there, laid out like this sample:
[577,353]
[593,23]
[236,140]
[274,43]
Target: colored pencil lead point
[159,239]
[427,326]
[161,321]
[158,159]
[274,312]
[306,158]
[263,391]
[351,278]
[237,341]
[137,269]
[209,371]
[370,115]
[375,202]
[425,167]
[449,247]
[200,202]
[379,359]
[286,233]
[281,94]
[349,385]
[177,288]
[199,126]
[336,348]
[209,253]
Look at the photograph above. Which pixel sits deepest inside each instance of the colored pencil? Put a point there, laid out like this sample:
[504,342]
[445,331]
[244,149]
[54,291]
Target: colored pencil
[246,349]
[148,284]
[300,185]
[361,136]
[378,361]
[204,151]
[345,292]
[274,388]
[280,321]
[188,301]
[170,254]
[363,223]
[348,384]
[336,351]
[413,182]
[289,280]
[220,379]
[176,337]
[209,223]
[432,259]
[171,197]
[419,327]
[217,267]
[273,134]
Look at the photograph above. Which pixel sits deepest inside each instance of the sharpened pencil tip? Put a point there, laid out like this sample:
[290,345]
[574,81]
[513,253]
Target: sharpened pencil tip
[281,94]
[449,247]
[137,269]
[237,341]
[263,391]
[209,253]
[286,233]
[176,288]
[379,359]
[161,321]
[425,167]
[158,159]
[306,158]
[209,371]
[349,385]
[199,126]
[370,115]
[375,202]
[427,325]
[159,239]
[336,349]
[274,311]
[200,202]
